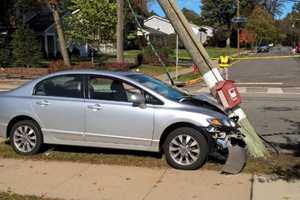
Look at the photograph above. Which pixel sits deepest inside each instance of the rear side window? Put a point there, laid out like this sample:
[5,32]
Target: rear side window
[61,86]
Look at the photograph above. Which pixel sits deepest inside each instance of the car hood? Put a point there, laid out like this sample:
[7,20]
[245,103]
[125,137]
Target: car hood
[204,104]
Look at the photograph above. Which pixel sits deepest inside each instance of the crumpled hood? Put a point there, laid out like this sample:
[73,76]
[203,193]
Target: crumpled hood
[211,100]
[204,110]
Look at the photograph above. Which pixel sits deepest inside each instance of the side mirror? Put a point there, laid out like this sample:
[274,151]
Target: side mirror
[138,100]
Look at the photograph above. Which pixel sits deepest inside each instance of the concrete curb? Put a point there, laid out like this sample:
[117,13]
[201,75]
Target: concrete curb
[193,82]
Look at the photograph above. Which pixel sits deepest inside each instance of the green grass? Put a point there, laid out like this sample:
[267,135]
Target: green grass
[155,70]
[13,196]
[213,52]
[90,155]
[130,54]
[285,166]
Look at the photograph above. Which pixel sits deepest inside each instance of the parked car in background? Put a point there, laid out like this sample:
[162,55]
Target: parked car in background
[121,110]
[263,48]
[298,48]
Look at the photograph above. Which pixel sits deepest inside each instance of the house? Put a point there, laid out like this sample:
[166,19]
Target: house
[156,24]
[42,24]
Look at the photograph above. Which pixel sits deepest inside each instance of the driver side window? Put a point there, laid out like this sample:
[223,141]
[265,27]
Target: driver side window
[109,89]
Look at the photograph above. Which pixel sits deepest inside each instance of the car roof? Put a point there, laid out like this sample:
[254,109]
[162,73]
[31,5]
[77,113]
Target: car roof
[93,71]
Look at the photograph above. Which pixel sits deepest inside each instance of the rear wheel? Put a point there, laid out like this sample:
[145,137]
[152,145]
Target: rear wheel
[186,148]
[26,137]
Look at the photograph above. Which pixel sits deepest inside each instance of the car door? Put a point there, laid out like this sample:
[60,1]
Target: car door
[58,103]
[112,118]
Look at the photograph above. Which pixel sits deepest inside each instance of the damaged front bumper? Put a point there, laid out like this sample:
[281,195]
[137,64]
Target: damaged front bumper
[230,144]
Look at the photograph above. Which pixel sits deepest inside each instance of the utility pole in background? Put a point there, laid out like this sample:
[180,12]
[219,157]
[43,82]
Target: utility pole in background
[211,74]
[294,34]
[120,31]
[238,29]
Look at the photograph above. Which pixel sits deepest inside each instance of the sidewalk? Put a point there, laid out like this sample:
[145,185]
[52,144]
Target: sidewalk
[94,182]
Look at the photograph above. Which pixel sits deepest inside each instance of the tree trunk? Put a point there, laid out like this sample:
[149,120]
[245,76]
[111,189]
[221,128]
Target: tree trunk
[61,36]
[120,31]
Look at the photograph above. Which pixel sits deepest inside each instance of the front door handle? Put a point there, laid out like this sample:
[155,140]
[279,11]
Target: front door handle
[95,107]
[43,103]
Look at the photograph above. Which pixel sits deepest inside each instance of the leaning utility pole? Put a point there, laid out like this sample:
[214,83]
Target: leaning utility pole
[210,73]
[120,31]
[238,29]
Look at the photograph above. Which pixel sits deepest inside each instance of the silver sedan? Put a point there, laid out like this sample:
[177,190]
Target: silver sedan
[120,110]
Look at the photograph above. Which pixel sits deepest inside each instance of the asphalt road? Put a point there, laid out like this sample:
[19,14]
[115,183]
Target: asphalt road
[277,71]
[276,118]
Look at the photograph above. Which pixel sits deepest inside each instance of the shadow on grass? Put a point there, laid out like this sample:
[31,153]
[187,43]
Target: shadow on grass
[288,174]
[101,156]
[89,155]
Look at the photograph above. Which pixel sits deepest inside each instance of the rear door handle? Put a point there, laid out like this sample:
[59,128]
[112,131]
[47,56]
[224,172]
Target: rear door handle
[95,107]
[43,103]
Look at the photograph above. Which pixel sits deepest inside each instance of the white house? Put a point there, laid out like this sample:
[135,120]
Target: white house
[160,24]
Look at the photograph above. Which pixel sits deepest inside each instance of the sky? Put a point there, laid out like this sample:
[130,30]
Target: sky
[195,5]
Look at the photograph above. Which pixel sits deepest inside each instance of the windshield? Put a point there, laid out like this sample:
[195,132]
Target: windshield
[158,86]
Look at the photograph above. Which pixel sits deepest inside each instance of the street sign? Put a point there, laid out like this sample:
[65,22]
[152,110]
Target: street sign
[239,20]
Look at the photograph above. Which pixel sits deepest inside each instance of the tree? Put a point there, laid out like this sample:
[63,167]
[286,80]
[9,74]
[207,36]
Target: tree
[219,13]
[290,26]
[262,24]
[93,22]
[26,49]
[192,16]
[54,4]
[140,8]
[4,51]
[274,7]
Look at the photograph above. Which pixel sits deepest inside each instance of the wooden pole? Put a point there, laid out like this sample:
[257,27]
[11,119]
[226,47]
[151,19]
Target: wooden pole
[120,31]
[238,29]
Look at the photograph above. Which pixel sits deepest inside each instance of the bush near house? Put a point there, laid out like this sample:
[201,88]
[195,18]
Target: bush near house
[3,52]
[164,46]
[26,50]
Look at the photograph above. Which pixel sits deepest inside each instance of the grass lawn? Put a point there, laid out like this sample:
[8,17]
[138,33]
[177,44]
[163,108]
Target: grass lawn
[285,166]
[12,196]
[214,52]
[155,70]
[130,54]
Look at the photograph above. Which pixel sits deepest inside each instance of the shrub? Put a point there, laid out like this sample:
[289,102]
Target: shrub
[26,50]
[164,46]
[4,52]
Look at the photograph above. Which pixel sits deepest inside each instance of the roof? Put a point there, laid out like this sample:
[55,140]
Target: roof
[158,17]
[40,22]
[151,30]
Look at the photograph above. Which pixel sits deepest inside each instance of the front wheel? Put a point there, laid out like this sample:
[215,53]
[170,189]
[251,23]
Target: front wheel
[26,137]
[186,148]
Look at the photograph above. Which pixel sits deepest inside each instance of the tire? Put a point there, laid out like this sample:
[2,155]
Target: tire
[29,134]
[190,155]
